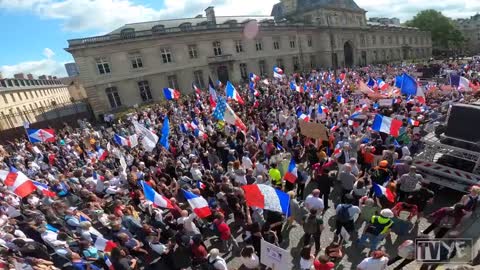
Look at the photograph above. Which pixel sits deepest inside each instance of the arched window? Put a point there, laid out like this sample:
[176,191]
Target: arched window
[185,26]
[113,97]
[158,28]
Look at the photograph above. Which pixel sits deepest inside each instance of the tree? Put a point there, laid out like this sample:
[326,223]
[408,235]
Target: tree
[443,31]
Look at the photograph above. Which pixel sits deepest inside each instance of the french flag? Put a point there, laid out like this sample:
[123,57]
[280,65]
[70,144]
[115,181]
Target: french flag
[185,127]
[200,134]
[200,185]
[121,140]
[267,197]
[380,191]
[279,147]
[303,117]
[232,93]
[382,85]
[171,94]
[295,87]
[197,90]
[153,196]
[104,245]
[337,150]
[41,135]
[213,94]
[102,154]
[322,109]
[292,174]
[413,122]
[341,100]
[198,204]
[18,182]
[333,128]
[371,82]
[387,125]
[253,90]
[44,189]
[253,77]
[277,72]
[108,262]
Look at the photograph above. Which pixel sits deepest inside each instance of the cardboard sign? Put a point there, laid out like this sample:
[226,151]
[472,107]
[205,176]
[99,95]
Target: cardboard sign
[275,257]
[313,130]
[385,102]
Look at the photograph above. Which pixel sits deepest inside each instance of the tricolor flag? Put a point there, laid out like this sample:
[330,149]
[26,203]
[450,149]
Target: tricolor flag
[198,204]
[277,72]
[200,134]
[171,94]
[200,185]
[18,182]
[213,94]
[371,82]
[334,128]
[341,100]
[381,84]
[380,191]
[267,197]
[420,95]
[291,175]
[44,189]
[153,196]
[387,125]
[302,116]
[232,93]
[102,154]
[253,77]
[322,109]
[122,140]
[223,112]
[104,245]
[413,122]
[295,87]
[108,262]
[197,90]
[41,135]
[254,91]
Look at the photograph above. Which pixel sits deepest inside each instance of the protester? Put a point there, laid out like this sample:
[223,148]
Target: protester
[377,229]
[377,261]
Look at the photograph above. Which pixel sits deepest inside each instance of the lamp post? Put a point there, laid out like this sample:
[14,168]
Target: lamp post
[332,46]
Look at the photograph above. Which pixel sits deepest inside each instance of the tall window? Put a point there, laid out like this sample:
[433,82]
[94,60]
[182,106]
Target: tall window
[410,40]
[144,88]
[217,48]
[313,62]
[166,55]
[362,39]
[102,65]
[113,97]
[261,67]
[390,39]
[172,81]
[192,51]
[296,63]
[374,40]
[397,39]
[309,41]
[382,40]
[238,46]
[243,71]
[258,45]
[292,42]
[276,44]
[19,96]
[136,61]
[5,100]
[198,78]
[280,63]
[12,97]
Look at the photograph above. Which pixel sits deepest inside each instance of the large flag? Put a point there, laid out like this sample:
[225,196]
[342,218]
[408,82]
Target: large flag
[380,191]
[153,196]
[409,85]
[295,87]
[232,93]
[198,204]
[387,125]
[223,112]
[18,182]
[41,135]
[171,94]
[464,84]
[120,140]
[421,95]
[277,72]
[382,85]
[104,245]
[149,140]
[44,188]
[267,197]
[371,82]
[253,77]
[165,133]
[398,81]
[291,175]
[213,93]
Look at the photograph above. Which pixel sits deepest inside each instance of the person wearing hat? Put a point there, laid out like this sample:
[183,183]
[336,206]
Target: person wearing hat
[377,229]
[408,183]
[380,174]
[215,261]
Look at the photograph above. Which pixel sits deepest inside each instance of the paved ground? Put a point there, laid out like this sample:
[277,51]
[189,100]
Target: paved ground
[353,253]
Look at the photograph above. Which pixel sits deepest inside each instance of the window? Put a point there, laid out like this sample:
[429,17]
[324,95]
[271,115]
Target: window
[362,39]
[9,82]
[5,100]
[25,94]
[27,82]
[145,92]
[292,43]
[136,60]
[16,82]
[36,93]
[31,94]
[238,46]
[12,97]
[258,45]
[261,67]
[172,81]
[280,63]
[217,48]
[192,51]
[390,40]
[113,97]
[276,44]
[3,83]
[382,40]
[198,78]
[374,40]
[309,41]
[416,40]
[375,55]
[410,40]
[19,96]
[296,64]
[102,65]
[243,71]
[397,39]
[166,55]
[404,40]
[22,82]
[313,62]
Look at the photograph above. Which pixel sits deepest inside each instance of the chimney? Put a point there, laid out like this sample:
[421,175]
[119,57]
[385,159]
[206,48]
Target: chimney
[19,76]
[43,77]
[49,77]
[210,13]
[30,76]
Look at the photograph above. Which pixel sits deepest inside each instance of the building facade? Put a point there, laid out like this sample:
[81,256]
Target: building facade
[29,100]
[132,64]
[470,29]
[72,69]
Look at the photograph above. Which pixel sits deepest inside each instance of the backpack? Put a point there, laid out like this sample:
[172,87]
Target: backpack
[343,214]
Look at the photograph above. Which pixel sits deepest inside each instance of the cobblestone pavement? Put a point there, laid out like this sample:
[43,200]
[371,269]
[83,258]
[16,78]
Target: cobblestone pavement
[353,253]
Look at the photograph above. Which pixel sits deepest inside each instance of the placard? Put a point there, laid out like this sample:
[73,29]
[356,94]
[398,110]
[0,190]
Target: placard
[385,102]
[314,130]
[275,257]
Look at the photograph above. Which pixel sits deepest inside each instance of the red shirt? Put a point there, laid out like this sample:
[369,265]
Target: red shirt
[199,251]
[223,229]
[323,266]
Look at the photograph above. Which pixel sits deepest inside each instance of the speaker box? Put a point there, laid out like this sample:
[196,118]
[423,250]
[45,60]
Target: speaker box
[464,123]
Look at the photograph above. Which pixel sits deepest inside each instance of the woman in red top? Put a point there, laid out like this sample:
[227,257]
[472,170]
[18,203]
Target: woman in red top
[224,231]
[323,263]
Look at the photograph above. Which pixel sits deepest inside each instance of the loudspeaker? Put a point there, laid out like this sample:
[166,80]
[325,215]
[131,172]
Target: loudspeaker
[464,123]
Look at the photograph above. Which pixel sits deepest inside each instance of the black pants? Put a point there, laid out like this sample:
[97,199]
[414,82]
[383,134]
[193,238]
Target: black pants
[324,197]
[300,189]
[402,264]
[316,238]
[440,233]
[348,225]
[402,195]
[344,192]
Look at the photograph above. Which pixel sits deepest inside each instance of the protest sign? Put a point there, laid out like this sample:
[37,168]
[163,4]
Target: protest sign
[313,130]
[385,102]
[274,257]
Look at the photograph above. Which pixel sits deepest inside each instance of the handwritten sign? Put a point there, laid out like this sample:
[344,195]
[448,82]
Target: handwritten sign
[274,257]
[313,130]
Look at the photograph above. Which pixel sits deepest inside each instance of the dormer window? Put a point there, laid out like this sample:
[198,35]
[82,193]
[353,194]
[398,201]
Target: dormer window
[127,33]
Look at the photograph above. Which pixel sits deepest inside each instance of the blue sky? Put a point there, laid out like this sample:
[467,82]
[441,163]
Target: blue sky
[38,30]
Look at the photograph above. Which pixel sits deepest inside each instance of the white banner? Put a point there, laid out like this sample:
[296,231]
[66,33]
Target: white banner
[275,257]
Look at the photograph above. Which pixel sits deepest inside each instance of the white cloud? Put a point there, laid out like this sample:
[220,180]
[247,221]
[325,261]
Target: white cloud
[45,66]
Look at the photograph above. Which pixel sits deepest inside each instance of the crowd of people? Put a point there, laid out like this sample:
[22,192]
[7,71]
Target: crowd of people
[93,208]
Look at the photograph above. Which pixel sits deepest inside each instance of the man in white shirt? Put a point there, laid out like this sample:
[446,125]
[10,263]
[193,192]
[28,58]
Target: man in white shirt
[313,201]
[188,224]
[216,261]
[378,261]
[196,173]
[246,161]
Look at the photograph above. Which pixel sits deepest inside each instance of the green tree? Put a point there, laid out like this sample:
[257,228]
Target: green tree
[444,33]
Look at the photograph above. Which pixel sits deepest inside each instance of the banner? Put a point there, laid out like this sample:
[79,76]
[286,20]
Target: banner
[385,102]
[274,257]
[314,130]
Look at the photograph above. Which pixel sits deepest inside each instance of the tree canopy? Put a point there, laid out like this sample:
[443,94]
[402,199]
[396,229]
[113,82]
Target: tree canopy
[444,33]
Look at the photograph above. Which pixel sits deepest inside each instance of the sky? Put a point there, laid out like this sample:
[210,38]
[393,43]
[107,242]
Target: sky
[35,32]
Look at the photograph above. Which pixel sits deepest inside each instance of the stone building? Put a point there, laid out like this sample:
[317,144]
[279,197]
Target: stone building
[29,100]
[470,29]
[132,64]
